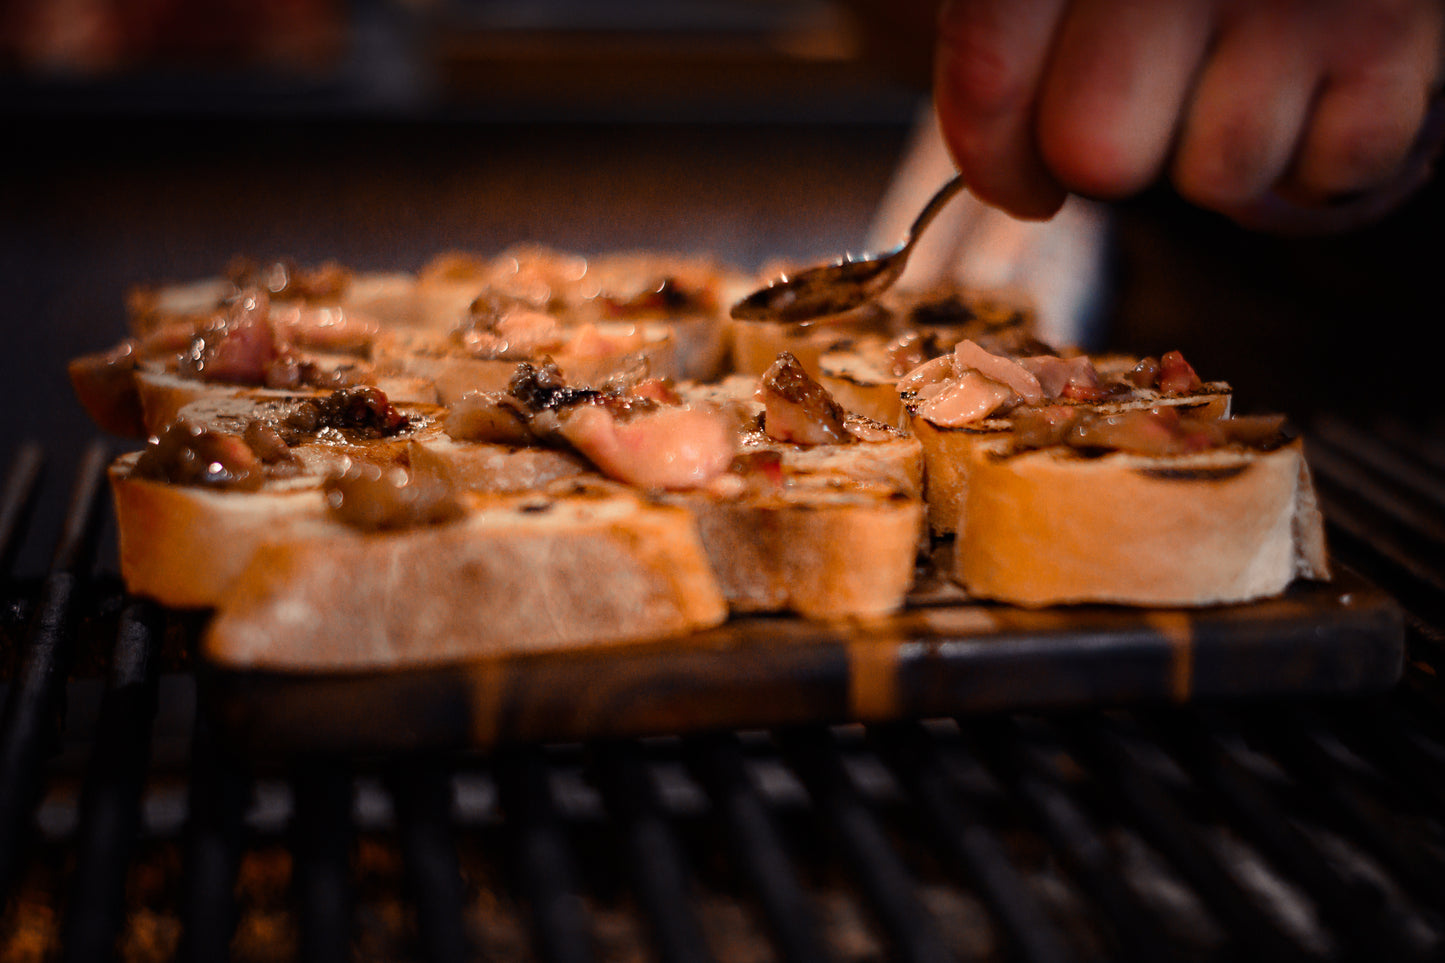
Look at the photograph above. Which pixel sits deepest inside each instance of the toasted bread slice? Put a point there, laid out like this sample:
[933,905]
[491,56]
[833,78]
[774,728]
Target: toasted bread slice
[295,588]
[502,580]
[824,548]
[1054,526]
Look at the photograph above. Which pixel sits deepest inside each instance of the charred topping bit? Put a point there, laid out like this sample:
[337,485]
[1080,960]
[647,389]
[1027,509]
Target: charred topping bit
[187,454]
[365,411]
[934,312]
[797,408]
[371,498]
[541,387]
[285,280]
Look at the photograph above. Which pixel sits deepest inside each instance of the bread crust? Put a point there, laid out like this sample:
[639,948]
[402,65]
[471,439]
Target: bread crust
[506,579]
[1054,527]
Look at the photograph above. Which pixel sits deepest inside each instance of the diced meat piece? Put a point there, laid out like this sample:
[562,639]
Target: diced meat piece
[669,448]
[970,397]
[1176,376]
[490,416]
[967,354]
[1043,426]
[797,408]
[590,342]
[929,373]
[1145,374]
[1072,378]
[243,348]
[324,329]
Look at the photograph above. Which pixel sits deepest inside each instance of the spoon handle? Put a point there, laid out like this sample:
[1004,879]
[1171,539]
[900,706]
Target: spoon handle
[936,204]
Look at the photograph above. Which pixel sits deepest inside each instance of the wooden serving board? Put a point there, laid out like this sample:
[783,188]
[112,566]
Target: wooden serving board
[941,656]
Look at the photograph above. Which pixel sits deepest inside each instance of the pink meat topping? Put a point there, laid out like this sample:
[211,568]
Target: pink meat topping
[968,398]
[671,448]
[323,329]
[1003,370]
[244,349]
[1071,378]
[1176,376]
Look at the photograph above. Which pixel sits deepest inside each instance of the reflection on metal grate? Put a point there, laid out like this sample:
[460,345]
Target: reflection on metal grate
[1303,830]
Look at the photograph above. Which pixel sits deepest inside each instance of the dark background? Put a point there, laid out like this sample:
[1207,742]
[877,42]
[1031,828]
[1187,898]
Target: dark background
[743,129]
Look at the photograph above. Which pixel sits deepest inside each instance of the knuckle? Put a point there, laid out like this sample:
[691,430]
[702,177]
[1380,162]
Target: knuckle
[984,78]
[1226,164]
[1360,153]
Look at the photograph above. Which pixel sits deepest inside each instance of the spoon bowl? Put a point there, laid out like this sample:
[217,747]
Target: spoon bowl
[829,289]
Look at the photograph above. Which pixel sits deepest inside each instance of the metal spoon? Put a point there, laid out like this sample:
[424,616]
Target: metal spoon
[843,285]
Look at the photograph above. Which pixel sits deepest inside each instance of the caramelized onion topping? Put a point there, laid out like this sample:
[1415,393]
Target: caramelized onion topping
[187,454]
[371,498]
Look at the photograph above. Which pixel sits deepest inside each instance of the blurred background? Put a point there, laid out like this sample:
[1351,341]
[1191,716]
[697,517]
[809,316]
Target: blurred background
[153,140]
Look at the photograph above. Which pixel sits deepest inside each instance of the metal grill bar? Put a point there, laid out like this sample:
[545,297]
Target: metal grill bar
[215,809]
[931,777]
[1352,906]
[321,841]
[1384,519]
[544,864]
[880,872]
[1299,740]
[1035,779]
[1160,819]
[31,720]
[652,853]
[422,791]
[110,802]
[17,504]
[717,761]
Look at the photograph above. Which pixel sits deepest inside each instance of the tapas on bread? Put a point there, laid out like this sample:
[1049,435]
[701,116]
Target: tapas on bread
[535,451]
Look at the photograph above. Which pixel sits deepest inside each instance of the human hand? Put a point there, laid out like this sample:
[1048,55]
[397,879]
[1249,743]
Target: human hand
[1292,115]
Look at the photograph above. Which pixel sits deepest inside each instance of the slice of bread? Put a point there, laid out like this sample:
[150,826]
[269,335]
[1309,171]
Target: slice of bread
[824,548]
[295,588]
[506,578]
[1053,526]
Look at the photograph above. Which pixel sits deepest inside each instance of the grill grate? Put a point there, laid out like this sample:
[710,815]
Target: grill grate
[1307,829]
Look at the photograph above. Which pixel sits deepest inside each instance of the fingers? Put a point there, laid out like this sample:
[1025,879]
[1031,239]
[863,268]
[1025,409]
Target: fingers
[1382,75]
[991,57]
[1116,86]
[1251,106]
[1249,110]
